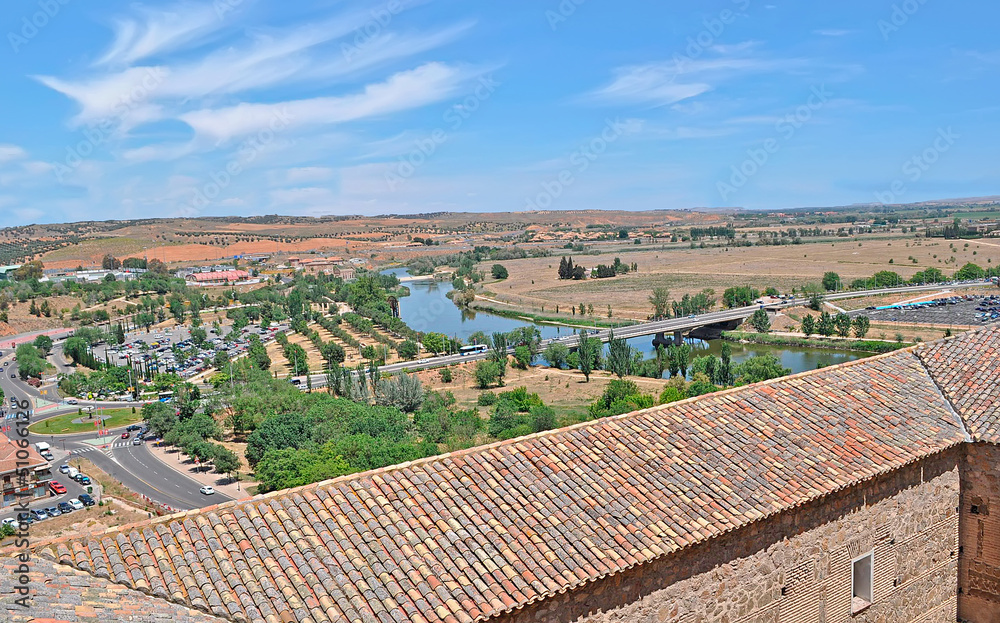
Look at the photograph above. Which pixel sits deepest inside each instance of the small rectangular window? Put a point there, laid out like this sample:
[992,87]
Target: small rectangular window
[861,583]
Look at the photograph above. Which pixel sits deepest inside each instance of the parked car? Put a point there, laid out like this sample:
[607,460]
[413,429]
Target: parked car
[83,480]
[85,499]
[52,511]
[39,514]
[57,488]
[64,469]
[78,505]
[9,521]
[132,427]
[66,507]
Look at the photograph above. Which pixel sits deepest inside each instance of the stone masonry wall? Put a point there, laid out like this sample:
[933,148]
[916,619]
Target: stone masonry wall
[979,521]
[796,567]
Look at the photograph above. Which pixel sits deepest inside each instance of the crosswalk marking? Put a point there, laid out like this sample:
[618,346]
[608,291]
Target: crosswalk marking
[117,444]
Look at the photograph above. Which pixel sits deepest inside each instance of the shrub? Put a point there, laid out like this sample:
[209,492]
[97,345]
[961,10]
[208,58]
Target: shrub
[486,399]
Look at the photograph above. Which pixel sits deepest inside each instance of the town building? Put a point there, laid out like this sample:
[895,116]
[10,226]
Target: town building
[868,491]
[16,461]
[218,278]
[7,271]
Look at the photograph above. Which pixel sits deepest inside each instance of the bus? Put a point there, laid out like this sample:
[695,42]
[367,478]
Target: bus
[473,349]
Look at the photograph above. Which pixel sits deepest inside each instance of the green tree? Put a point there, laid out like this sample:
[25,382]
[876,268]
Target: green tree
[198,336]
[225,460]
[487,373]
[257,353]
[825,326]
[969,272]
[809,325]
[861,324]
[725,372]
[333,353]
[842,322]
[499,271]
[498,354]
[162,418]
[44,345]
[556,354]
[831,281]
[435,342]
[739,296]
[621,357]
[408,349]
[759,368]
[585,350]
[760,322]
[660,301]
[522,357]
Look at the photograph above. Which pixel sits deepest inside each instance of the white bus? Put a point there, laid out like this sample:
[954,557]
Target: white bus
[473,349]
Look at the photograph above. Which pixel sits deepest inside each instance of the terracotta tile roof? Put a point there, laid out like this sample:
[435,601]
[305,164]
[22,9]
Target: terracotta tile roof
[59,593]
[472,534]
[8,456]
[967,368]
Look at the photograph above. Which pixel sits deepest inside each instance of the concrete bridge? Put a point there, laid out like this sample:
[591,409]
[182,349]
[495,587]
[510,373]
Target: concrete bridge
[672,330]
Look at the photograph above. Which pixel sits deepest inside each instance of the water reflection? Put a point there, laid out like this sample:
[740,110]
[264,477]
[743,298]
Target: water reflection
[429,309]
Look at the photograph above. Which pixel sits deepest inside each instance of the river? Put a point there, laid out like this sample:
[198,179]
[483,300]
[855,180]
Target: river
[429,309]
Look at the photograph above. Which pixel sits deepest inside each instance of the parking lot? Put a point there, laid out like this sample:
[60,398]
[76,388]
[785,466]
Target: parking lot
[966,310]
[174,351]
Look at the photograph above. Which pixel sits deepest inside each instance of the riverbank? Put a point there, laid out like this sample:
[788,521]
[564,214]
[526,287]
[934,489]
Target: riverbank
[833,343]
[567,321]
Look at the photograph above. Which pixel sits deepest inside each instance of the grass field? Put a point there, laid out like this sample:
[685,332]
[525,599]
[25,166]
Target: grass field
[63,424]
[533,282]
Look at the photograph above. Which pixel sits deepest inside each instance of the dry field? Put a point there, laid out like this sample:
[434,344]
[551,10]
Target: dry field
[533,282]
[282,366]
[564,390]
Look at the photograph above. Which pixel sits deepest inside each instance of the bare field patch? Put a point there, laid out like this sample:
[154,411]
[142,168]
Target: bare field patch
[564,390]
[533,282]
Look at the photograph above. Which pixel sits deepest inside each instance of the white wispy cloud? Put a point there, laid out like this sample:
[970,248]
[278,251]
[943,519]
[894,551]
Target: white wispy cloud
[160,31]
[654,83]
[832,32]
[405,90]
[668,82]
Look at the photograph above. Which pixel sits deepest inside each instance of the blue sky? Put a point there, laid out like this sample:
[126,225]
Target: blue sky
[130,110]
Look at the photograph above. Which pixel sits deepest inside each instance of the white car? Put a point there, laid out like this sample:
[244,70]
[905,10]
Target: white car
[64,469]
[207,490]
[76,504]
[10,521]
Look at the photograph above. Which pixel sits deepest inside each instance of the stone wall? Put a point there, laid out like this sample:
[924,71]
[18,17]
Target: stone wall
[979,520]
[796,567]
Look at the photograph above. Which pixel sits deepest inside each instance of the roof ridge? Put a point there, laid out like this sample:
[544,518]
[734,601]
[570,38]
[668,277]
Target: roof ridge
[947,399]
